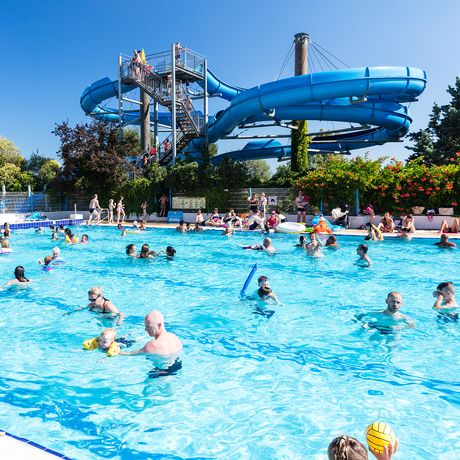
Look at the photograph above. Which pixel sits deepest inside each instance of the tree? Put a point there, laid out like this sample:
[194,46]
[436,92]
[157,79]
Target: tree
[300,140]
[9,153]
[35,162]
[259,172]
[284,176]
[440,141]
[14,179]
[93,157]
[48,172]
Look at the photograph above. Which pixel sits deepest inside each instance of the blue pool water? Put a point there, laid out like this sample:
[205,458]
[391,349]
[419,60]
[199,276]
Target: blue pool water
[250,387]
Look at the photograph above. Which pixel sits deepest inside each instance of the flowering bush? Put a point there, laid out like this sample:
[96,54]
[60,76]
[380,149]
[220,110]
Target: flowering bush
[392,187]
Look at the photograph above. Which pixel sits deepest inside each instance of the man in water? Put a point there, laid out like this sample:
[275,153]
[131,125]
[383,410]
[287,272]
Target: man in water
[444,242]
[164,350]
[364,260]
[94,209]
[390,319]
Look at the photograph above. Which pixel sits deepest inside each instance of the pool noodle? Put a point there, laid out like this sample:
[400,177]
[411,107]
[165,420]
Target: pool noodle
[248,280]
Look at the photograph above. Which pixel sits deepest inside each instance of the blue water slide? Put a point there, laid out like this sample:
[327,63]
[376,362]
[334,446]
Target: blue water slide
[374,96]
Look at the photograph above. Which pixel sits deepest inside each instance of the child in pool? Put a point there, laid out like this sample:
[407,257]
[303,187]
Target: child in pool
[445,300]
[105,342]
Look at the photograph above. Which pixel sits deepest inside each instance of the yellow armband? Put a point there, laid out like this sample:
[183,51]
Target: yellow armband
[91,344]
[114,349]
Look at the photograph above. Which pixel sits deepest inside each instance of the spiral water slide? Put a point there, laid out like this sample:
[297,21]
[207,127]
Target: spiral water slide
[373,97]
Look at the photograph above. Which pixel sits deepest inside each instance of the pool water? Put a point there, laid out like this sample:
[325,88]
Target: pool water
[251,387]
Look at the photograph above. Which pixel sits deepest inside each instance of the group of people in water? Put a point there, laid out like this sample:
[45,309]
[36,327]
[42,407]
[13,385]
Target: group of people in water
[165,347]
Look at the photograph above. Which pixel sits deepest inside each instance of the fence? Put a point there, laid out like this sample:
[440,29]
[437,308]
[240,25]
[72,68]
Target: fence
[24,202]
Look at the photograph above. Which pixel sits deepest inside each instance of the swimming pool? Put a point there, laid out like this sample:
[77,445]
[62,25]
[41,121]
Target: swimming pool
[250,387]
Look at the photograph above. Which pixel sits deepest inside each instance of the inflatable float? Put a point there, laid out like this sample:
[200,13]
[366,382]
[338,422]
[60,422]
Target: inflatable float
[291,227]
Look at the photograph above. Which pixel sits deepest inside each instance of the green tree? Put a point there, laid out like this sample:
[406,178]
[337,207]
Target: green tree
[259,172]
[300,140]
[9,153]
[440,141]
[48,172]
[93,157]
[284,176]
[14,179]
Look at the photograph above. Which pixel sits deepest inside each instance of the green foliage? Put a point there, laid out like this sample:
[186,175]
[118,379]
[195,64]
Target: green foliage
[183,177]
[217,198]
[284,176]
[47,174]
[392,187]
[135,192]
[259,172]
[9,153]
[93,157]
[300,140]
[441,139]
[14,179]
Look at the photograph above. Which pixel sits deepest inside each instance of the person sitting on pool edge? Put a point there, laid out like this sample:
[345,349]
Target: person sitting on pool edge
[390,319]
[454,228]
[100,304]
[445,300]
[444,242]
[164,350]
[364,259]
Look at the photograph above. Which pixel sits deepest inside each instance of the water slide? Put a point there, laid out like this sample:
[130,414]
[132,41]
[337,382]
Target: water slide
[374,97]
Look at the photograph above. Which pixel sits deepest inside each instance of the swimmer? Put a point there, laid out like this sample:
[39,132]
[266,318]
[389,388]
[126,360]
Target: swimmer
[302,242]
[331,242]
[265,294]
[170,252]
[131,250]
[390,319]
[347,448]
[146,253]
[46,261]
[313,248]
[445,300]
[5,247]
[142,226]
[71,239]
[374,234]
[228,231]
[364,259]
[19,277]
[265,246]
[84,239]
[136,225]
[444,242]
[405,233]
[54,236]
[60,229]
[181,227]
[56,252]
[105,342]
[165,347]
[120,227]
[39,230]
[100,304]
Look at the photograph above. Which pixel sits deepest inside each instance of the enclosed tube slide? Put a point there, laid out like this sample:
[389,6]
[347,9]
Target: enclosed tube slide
[370,96]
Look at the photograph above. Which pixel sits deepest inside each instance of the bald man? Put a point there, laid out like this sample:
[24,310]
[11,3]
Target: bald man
[164,350]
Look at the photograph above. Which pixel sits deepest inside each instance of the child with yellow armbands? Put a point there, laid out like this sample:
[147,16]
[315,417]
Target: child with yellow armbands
[105,342]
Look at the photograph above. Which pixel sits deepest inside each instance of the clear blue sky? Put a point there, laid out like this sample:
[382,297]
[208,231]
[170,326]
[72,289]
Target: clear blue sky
[51,50]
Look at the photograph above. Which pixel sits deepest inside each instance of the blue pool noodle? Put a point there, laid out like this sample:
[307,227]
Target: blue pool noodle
[248,280]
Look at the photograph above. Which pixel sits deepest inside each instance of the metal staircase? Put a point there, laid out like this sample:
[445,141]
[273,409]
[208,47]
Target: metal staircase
[155,80]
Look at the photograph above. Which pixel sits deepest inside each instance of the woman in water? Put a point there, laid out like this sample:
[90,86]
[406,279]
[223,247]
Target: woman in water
[131,250]
[146,253]
[19,277]
[100,304]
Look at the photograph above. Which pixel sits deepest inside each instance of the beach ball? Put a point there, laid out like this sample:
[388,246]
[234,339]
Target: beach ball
[379,435]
